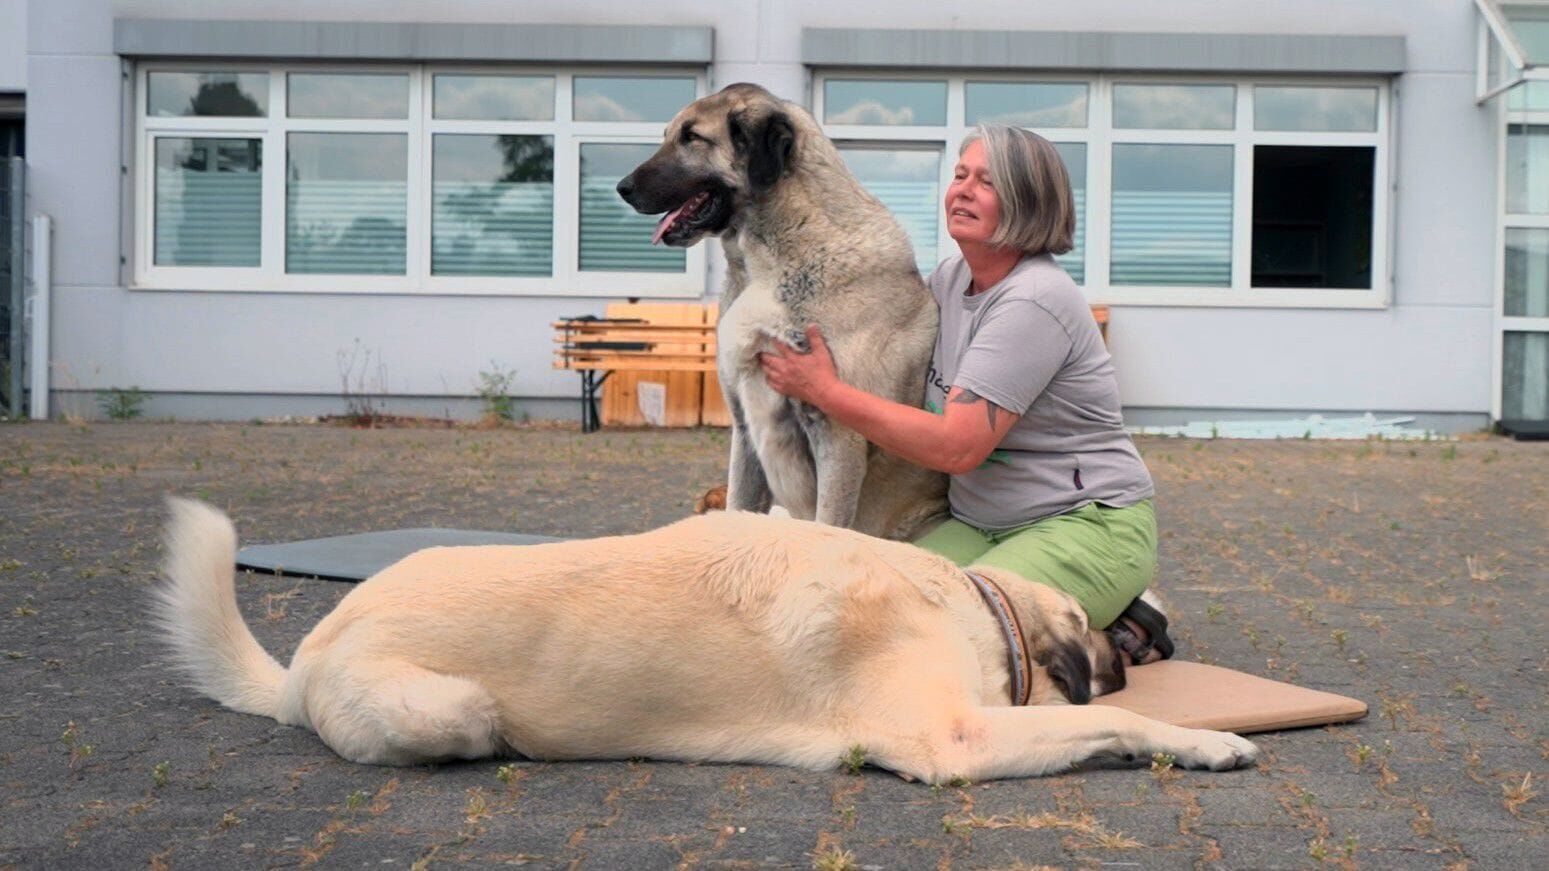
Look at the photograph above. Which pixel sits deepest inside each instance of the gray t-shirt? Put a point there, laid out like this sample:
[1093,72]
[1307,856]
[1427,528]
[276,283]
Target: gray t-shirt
[1030,345]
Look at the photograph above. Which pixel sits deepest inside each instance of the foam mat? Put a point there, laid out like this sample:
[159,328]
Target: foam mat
[1211,697]
[359,556]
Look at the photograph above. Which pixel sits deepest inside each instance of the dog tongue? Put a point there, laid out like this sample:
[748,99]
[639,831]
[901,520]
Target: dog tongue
[666,223]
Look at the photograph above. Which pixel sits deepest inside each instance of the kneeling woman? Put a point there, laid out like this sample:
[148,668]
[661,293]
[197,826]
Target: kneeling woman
[1022,407]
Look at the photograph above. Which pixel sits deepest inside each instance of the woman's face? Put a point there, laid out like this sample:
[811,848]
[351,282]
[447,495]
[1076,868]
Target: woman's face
[973,212]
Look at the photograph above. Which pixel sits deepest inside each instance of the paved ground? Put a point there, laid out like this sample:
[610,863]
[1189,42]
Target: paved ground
[1411,576]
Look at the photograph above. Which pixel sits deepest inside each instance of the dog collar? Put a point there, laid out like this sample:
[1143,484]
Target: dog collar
[1006,616]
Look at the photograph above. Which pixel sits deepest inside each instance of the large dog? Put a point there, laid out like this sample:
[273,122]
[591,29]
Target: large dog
[805,243]
[729,637]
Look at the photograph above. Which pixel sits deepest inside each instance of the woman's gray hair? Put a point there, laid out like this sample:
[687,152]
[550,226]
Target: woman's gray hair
[1037,210]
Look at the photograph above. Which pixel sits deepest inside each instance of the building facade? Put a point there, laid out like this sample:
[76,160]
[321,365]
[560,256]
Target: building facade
[1289,207]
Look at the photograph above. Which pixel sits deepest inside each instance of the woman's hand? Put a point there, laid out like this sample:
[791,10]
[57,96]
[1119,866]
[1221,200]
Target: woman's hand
[806,377]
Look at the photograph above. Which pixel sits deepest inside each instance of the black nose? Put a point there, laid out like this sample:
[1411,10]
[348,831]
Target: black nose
[627,186]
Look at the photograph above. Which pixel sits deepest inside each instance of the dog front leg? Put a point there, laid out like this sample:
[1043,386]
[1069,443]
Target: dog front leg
[840,455]
[747,487]
[991,743]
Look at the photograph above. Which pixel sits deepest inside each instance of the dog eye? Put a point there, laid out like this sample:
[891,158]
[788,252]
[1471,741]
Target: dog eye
[690,136]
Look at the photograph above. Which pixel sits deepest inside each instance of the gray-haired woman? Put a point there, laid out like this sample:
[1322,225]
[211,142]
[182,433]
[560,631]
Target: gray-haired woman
[1022,407]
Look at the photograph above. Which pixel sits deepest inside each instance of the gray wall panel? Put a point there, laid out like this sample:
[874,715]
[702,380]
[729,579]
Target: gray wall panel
[367,40]
[1197,52]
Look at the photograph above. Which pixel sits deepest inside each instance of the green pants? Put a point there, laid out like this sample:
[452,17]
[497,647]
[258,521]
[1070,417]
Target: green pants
[1104,557]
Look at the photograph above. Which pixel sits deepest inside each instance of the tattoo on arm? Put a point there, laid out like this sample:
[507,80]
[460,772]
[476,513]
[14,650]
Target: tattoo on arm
[968,397]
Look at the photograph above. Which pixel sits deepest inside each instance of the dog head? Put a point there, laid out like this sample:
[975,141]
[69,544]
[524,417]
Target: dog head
[1078,661]
[718,155]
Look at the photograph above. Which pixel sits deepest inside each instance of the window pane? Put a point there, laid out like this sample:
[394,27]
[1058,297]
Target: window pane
[494,98]
[1175,107]
[908,182]
[1027,104]
[1527,273]
[1530,24]
[869,101]
[1525,376]
[613,236]
[494,205]
[346,197]
[1172,215]
[1312,216]
[1527,169]
[1074,155]
[347,95]
[638,98]
[209,195]
[244,95]
[1343,109]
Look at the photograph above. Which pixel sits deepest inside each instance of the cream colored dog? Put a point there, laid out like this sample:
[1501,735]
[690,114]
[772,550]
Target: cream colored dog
[730,637]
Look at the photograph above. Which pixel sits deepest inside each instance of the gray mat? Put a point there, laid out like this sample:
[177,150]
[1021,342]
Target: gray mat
[357,557]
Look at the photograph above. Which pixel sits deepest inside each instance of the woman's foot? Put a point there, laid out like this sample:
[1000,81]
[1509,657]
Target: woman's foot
[1140,634]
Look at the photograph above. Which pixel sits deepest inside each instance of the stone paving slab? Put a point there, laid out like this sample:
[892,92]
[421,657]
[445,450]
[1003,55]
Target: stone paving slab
[1412,576]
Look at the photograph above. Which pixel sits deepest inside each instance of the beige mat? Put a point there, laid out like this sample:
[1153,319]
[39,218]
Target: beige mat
[1210,697]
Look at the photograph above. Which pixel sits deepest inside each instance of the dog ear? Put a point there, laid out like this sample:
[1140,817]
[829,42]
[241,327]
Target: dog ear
[1071,669]
[766,143]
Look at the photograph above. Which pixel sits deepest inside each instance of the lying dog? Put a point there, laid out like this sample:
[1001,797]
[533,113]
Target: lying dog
[805,243]
[728,637]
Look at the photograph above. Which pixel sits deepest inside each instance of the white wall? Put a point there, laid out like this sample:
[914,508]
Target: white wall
[1429,351]
[13,45]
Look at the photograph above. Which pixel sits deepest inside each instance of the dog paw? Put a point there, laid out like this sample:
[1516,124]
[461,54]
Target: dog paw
[793,337]
[1216,751]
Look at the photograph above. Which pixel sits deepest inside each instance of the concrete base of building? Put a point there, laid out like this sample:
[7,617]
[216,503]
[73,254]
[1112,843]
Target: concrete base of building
[270,407]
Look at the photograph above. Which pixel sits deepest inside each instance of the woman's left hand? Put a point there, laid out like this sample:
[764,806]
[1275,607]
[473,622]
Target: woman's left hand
[806,377]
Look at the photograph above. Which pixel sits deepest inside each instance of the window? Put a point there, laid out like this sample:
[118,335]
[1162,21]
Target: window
[410,179]
[1188,190]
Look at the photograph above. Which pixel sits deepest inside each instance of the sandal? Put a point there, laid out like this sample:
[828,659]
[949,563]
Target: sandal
[1149,620]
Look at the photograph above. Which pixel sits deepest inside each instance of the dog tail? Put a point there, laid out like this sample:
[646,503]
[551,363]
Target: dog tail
[196,609]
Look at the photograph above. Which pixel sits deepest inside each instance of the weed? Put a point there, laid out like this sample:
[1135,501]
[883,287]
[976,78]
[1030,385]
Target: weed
[1162,763]
[854,759]
[160,773]
[229,819]
[1340,636]
[356,800]
[505,774]
[834,859]
[494,389]
[1360,753]
[478,806]
[71,738]
[1517,796]
[120,403]
[1213,611]
[363,392]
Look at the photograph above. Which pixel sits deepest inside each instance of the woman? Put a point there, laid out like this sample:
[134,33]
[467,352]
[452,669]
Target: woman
[1022,408]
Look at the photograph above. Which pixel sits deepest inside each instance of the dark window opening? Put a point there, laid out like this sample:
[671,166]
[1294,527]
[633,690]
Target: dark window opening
[1312,216]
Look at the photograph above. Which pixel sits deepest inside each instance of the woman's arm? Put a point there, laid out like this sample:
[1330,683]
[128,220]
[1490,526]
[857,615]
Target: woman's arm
[955,442]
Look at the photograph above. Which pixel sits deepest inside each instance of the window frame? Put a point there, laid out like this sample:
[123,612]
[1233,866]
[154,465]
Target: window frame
[1100,136]
[419,128]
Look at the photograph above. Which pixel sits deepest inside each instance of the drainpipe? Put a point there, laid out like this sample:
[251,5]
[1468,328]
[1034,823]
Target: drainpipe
[38,313]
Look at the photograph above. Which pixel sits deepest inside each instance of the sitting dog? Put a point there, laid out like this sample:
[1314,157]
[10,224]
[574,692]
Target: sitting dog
[729,637]
[805,243]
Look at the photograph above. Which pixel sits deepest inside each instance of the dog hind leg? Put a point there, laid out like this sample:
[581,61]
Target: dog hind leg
[397,713]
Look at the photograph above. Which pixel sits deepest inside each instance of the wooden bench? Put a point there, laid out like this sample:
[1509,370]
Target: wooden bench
[670,343]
